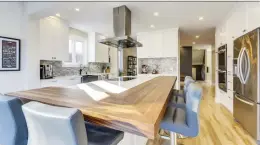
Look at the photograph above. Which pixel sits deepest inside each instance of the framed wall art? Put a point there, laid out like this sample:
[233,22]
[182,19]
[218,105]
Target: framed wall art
[10,53]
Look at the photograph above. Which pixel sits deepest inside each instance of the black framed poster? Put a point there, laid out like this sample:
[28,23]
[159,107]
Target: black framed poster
[10,50]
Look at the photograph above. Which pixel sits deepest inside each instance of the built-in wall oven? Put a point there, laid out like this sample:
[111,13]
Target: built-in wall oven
[222,67]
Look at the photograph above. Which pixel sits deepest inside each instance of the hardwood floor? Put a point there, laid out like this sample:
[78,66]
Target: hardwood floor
[217,126]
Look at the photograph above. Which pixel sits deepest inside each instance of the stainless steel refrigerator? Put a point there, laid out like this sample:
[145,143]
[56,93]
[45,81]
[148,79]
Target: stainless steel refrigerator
[246,82]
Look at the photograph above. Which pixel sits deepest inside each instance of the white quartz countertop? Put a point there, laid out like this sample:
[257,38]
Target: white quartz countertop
[112,86]
[73,76]
[101,89]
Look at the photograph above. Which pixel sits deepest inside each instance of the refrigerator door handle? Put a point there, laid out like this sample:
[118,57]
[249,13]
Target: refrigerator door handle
[247,57]
[239,66]
[244,101]
[244,66]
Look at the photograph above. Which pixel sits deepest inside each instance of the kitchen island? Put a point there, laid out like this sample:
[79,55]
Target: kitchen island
[136,106]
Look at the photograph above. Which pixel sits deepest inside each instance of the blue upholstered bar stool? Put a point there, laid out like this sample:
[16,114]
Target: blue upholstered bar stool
[13,129]
[184,121]
[178,98]
[51,125]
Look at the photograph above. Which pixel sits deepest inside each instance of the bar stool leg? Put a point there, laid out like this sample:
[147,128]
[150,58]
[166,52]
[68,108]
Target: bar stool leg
[182,136]
[173,138]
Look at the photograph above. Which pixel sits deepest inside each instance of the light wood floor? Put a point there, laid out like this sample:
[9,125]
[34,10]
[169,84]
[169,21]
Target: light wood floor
[217,126]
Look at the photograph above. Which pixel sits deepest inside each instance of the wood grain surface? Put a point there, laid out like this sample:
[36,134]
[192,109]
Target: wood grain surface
[138,110]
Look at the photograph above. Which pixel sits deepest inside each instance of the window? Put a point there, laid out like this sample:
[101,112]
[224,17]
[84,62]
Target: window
[76,51]
[79,49]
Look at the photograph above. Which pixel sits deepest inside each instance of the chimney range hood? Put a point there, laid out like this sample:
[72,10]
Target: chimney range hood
[122,30]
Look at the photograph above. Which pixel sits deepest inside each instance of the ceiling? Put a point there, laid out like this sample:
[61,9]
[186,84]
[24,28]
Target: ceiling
[97,16]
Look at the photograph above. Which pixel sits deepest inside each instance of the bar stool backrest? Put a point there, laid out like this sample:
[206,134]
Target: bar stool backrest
[188,80]
[193,99]
[51,125]
[13,128]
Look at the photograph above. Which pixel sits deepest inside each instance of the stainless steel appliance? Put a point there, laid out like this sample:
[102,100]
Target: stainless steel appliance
[222,57]
[46,71]
[122,30]
[144,69]
[89,78]
[246,82]
[222,67]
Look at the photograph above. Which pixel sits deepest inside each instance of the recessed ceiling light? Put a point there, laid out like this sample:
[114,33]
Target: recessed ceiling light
[152,26]
[156,14]
[77,9]
[193,43]
[197,36]
[58,14]
[201,18]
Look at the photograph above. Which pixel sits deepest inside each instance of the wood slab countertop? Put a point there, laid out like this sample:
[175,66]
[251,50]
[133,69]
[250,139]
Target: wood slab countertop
[137,110]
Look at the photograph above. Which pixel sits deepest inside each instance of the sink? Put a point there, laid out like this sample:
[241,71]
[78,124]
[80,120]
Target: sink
[89,78]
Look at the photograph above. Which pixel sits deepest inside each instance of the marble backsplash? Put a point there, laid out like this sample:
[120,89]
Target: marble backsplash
[58,70]
[167,65]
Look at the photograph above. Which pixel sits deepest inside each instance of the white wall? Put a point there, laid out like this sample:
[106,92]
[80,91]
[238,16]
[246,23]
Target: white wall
[208,63]
[32,61]
[16,23]
[11,25]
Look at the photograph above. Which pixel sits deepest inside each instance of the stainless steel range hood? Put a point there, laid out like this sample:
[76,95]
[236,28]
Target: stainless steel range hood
[122,30]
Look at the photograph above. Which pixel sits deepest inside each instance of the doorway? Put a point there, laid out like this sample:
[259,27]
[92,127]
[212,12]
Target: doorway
[185,61]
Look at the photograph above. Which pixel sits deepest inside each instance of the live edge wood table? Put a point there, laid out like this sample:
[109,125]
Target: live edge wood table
[137,110]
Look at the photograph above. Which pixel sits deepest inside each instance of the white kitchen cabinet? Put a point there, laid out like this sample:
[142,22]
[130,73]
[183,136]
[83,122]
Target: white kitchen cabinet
[142,51]
[61,82]
[152,43]
[158,44]
[226,100]
[229,86]
[97,52]
[230,63]
[170,44]
[221,35]
[49,83]
[217,37]
[54,39]
[230,93]
[237,22]
[253,15]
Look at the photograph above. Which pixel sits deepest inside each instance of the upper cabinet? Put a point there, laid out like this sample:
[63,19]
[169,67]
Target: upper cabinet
[170,43]
[152,42]
[158,44]
[237,23]
[97,52]
[253,15]
[221,35]
[54,39]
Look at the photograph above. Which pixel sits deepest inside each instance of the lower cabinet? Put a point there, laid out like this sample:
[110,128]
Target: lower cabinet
[62,82]
[226,98]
